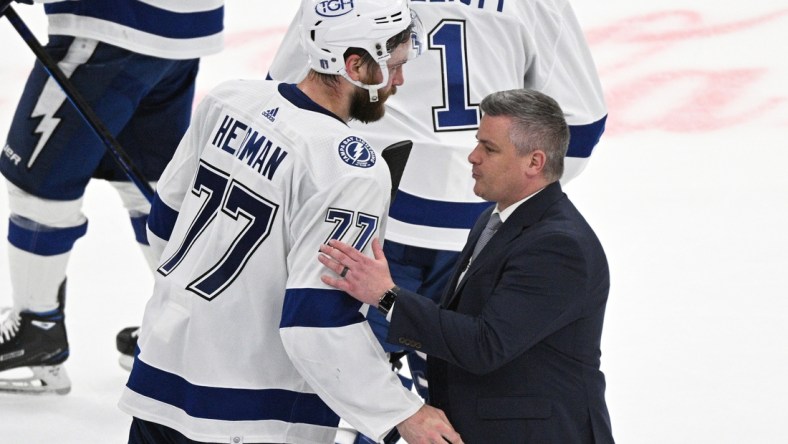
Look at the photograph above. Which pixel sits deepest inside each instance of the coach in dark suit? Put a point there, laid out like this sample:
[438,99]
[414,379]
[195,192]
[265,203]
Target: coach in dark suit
[514,346]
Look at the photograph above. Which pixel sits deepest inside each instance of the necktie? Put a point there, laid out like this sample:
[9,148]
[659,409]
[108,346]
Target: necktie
[492,226]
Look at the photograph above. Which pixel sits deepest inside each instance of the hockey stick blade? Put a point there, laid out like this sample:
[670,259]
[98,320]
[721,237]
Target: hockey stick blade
[76,99]
[396,156]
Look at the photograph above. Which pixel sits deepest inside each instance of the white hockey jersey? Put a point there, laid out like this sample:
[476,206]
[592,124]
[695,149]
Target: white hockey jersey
[473,48]
[170,29]
[241,339]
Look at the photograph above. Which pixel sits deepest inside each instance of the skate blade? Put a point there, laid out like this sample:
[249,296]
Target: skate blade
[46,380]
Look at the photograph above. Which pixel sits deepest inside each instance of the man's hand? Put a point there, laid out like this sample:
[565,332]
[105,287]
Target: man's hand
[360,276]
[428,426]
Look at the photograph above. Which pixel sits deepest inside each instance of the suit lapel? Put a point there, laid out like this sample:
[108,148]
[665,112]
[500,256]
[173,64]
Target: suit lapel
[465,256]
[530,212]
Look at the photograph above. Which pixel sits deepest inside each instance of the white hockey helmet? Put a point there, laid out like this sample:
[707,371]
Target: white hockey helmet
[330,27]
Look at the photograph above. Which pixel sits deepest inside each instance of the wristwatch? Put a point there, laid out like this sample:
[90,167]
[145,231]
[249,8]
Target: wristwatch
[387,300]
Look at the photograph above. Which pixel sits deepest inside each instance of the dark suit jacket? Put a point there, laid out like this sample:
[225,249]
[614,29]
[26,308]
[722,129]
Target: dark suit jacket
[514,351]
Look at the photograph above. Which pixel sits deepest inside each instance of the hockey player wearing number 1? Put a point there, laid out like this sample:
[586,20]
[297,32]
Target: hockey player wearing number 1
[472,48]
[241,341]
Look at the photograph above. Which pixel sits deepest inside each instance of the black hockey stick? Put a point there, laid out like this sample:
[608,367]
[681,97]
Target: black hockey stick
[90,117]
[396,156]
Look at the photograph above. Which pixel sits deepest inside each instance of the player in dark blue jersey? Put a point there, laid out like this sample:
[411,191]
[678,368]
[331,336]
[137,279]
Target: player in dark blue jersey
[135,63]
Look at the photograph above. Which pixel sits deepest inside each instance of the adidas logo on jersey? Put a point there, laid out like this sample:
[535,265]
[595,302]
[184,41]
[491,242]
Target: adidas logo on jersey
[271,114]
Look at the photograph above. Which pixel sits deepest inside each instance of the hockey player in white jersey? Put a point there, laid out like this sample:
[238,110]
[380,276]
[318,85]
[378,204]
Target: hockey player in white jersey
[135,63]
[241,341]
[473,48]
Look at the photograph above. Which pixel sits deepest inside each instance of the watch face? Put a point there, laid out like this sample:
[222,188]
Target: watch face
[387,300]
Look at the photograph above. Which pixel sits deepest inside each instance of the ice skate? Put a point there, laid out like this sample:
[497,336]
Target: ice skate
[126,342]
[33,343]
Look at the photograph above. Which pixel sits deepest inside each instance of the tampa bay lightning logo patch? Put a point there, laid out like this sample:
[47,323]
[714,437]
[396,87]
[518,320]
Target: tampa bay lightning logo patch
[356,152]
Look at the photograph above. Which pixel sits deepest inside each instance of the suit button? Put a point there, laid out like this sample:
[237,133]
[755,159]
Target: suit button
[410,343]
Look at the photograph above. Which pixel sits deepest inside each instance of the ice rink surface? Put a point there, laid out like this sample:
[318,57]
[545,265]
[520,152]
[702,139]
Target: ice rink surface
[687,191]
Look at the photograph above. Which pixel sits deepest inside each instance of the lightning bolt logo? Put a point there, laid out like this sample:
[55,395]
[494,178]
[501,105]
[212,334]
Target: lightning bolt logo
[356,152]
[52,97]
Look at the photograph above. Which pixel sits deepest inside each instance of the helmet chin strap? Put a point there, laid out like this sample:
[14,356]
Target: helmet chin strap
[373,94]
[373,89]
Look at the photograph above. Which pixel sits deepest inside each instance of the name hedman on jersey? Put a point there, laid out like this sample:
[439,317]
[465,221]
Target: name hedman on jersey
[249,145]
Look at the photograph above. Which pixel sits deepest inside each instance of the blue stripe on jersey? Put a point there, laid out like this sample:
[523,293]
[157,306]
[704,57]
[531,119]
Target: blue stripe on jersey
[435,213]
[229,404]
[144,17]
[584,138]
[161,219]
[42,240]
[311,307]
[462,215]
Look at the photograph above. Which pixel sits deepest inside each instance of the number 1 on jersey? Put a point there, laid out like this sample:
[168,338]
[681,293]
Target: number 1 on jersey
[457,112]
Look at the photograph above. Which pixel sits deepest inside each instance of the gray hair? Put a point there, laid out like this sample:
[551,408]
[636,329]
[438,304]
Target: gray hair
[537,123]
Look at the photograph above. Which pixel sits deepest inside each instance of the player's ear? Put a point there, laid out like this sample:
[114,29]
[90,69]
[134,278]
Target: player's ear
[354,66]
